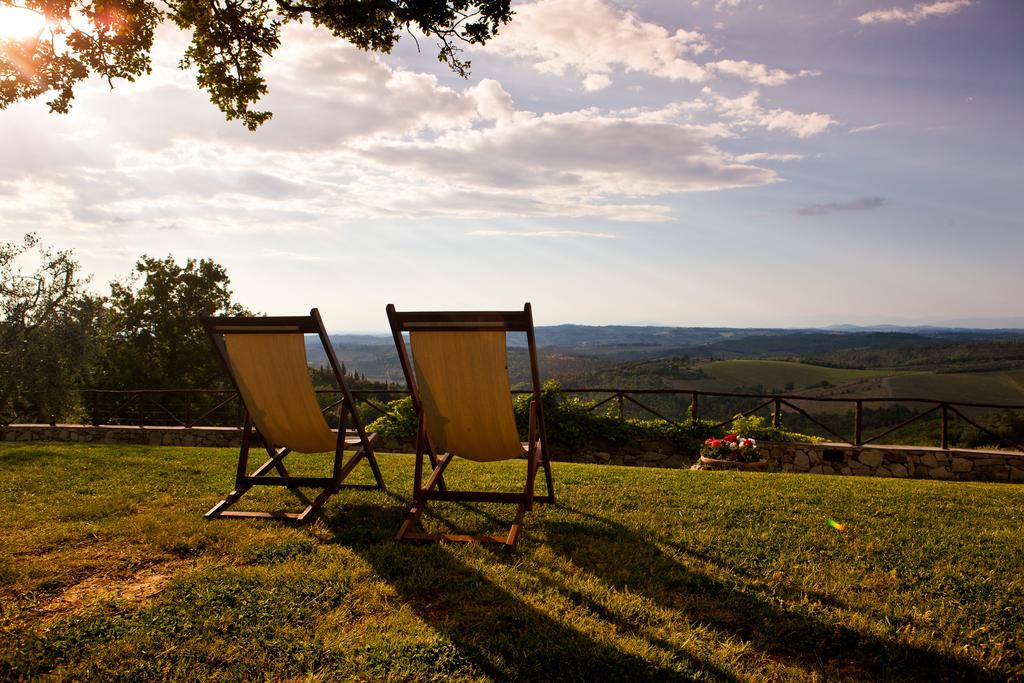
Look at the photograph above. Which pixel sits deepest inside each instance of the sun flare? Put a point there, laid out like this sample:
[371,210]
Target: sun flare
[17,23]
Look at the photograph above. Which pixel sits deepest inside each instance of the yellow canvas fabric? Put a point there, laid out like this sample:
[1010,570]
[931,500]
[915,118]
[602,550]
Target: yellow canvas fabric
[463,383]
[273,378]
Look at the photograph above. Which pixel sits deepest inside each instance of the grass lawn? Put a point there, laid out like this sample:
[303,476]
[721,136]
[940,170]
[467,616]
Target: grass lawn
[108,571]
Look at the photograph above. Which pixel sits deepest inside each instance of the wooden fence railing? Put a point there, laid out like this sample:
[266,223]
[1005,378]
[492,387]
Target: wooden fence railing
[213,407]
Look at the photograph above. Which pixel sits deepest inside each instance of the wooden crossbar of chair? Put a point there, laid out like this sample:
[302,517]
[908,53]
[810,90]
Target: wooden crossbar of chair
[265,358]
[458,380]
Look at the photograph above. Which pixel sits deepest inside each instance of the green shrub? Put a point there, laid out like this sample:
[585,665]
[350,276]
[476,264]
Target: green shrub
[573,424]
[399,424]
[754,426]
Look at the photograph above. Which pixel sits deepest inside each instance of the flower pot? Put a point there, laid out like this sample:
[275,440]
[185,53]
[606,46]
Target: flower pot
[717,464]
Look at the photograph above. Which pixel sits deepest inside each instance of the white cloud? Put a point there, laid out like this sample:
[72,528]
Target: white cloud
[542,233]
[758,73]
[919,12]
[369,141]
[746,111]
[583,153]
[766,156]
[865,129]
[593,38]
[723,5]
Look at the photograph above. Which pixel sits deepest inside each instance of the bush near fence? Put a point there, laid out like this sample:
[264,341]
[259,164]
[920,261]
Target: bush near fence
[573,424]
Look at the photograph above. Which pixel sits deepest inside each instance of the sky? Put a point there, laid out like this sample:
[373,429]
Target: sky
[708,163]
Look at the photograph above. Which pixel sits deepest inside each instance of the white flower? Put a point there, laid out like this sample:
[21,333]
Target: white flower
[733,446]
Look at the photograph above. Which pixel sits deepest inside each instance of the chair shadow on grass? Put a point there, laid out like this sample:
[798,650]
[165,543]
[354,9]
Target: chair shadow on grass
[625,560]
[493,629]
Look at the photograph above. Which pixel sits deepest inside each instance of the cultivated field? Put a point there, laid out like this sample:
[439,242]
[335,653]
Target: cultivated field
[108,572]
[980,387]
[773,374]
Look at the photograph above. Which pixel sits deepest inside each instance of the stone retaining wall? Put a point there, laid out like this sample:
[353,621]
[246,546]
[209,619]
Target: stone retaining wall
[821,458]
[912,462]
[214,437]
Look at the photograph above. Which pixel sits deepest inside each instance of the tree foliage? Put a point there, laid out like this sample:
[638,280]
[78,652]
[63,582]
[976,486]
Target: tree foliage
[231,39]
[47,329]
[152,333]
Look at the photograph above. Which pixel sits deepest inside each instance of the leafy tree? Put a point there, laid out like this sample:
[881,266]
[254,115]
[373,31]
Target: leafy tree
[152,332]
[112,39]
[47,323]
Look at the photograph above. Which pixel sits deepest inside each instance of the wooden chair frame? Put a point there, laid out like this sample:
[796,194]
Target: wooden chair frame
[357,437]
[537,448]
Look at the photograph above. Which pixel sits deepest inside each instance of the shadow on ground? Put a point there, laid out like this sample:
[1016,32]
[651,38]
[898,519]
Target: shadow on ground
[627,561]
[497,631]
[507,638]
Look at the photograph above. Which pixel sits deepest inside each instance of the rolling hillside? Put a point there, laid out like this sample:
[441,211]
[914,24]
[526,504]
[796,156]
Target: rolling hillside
[771,375]
[975,387]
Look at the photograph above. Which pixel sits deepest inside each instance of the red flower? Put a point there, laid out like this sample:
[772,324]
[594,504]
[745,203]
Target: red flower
[730,438]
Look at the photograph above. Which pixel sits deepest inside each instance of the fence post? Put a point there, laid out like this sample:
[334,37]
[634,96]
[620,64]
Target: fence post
[142,409]
[945,426]
[95,408]
[188,409]
[693,407]
[618,398]
[858,418]
[777,414]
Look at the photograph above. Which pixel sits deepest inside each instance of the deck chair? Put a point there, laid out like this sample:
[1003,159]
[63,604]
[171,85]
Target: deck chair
[458,378]
[266,359]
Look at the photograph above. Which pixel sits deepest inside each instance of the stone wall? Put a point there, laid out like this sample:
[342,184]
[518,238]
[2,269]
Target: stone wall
[912,462]
[215,437]
[821,458]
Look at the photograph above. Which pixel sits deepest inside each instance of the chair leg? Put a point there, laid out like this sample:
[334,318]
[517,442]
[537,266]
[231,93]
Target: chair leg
[260,477]
[241,472]
[377,476]
[278,460]
[422,498]
[232,498]
[517,526]
[441,485]
[420,504]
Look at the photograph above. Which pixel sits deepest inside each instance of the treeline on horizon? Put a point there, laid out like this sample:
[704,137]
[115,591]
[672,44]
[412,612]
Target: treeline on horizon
[57,337]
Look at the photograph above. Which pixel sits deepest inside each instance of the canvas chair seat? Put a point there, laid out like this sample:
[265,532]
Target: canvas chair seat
[463,383]
[272,377]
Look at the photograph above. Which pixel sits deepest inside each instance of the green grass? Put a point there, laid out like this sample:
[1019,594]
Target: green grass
[108,572]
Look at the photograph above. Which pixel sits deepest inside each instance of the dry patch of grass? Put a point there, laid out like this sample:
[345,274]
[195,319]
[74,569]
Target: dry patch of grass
[136,589]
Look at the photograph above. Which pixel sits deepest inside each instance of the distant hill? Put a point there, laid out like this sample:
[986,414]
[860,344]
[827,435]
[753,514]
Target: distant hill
[803,343]
[623,355]
[371,355]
